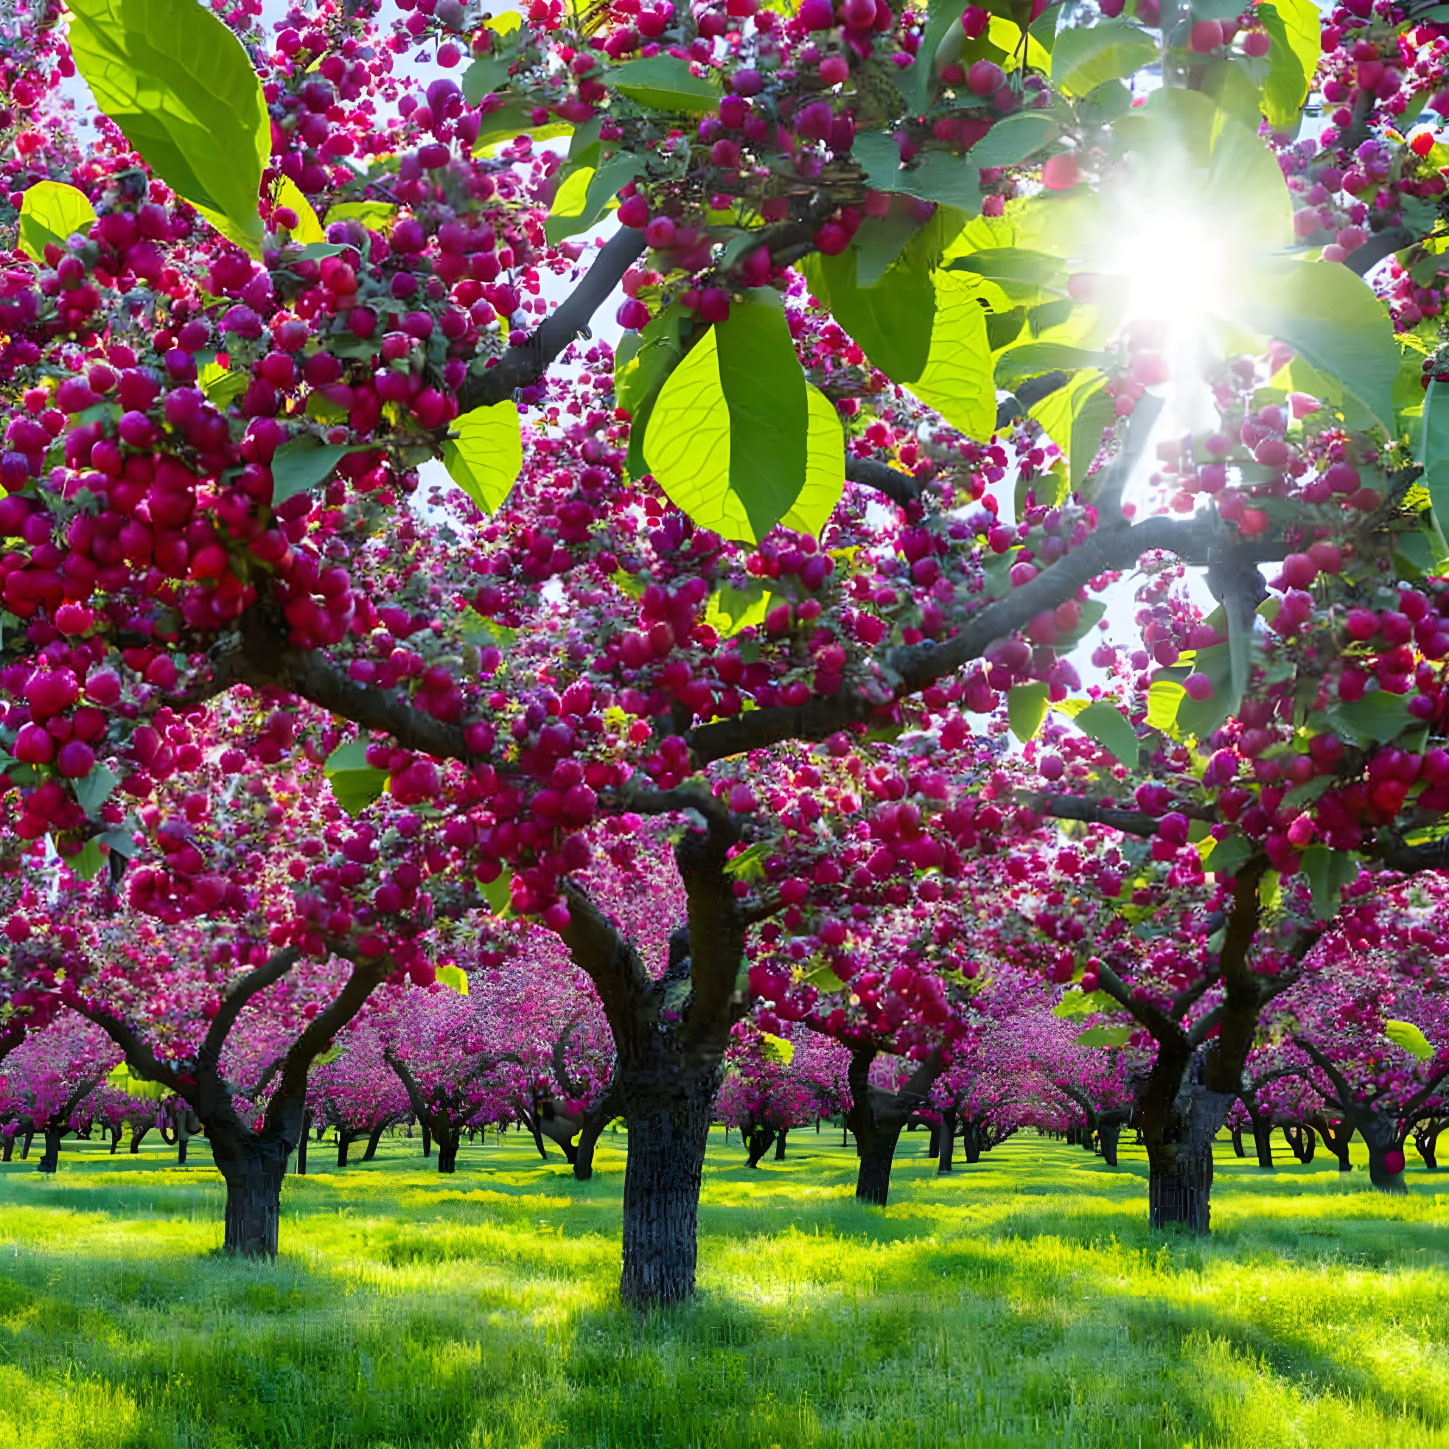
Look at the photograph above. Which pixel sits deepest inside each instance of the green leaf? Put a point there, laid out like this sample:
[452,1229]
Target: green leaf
[1016,269]
[178,83]
[663,83]
[512,119]
[499,893]
[453,977]
[1294,32]
[1164,696]
[86,863]
[220,384]
[1106,724]
[585,195]
[1327,872]
[778,1049]
[93,792]
[730,609]
[308,229]
[486,457]
[881,241]
[642,361]
[355,783]
[50,211]
[824,467]
[1095,412]
[487,74]
[1378,718]
[891,320]
[302,464]
[1331,318]
[956,380]
[1434,452]
[1011,139]
[1104,1036]
[727,435]
[1405,1034]
[1228,855]
[1090,55]
[1082,1003]
[374,215]
[1026,706]
[1032,359]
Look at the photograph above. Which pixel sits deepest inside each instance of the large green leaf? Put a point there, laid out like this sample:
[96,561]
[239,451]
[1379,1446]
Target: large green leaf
[642,361]
[1106,724]
[1104,1036]
[1026,706]
[1331,318]
[824,467]
[486,457]
[1011,139]
[302,464]
[1090,55]
[1294,31]
[177,82]
[664,83]
[1405,1034]
[585,194]
[891,320]
[727,435]
[956,380]
[355,783]
[515,118]
[1378,718]
[1327,872]
[50,211]
[1434,451]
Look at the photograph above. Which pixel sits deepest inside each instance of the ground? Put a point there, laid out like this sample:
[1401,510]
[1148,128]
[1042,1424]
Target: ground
[1021,1301]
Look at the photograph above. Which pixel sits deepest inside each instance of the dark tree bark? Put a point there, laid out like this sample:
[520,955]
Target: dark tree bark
[1109,1131]
[137,1136]
[759,1138]
[1180,1137]
[50,1158]
[933,1148]
[1337,1137]
[1301,1139]
[345,1139]
[1426,1138]
[448,1149]
[1382,1137]
[971,1140]
[114,1133]
[1238,1150]
[25,1144]
[590,1131]
[373,1138]
[253,1165]
[302,1144]
[7,1148]
[321,1128]
[877,1118]
[780,1144]
[427,1141]
[948,1140]
[1263,1142]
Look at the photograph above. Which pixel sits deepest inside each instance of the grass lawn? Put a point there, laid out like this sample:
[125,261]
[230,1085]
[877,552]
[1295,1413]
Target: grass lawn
[1019,1302]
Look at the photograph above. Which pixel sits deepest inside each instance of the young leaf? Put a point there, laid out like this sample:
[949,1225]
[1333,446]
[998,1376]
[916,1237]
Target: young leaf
[1105,723]
[308,229]
[1104,1036]
[1327,872]
[1405,1034]
[1026,706]
[727,434]
[1294,30]
[176,80]
[453,977]
[355,783]
[50,211]
[487,455]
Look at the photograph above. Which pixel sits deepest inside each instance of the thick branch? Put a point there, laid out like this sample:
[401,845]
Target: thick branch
[604,956]
[318,1033]
[899,487]
[139,1057]
[237,995]
[526,364]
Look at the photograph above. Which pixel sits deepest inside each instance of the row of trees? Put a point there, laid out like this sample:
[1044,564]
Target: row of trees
[707,655]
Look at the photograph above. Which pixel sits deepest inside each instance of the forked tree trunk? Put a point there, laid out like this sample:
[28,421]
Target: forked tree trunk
[301,1168]
[427,1141]
[948,1140]
[1180,1155]
[50,1158]
[1426,1138]
[757,1143]
[7,1150]
[667,1104]
[780,1144]
[1337,1137]
[1301,1139]
[137,1134]
[971,1141]
[1382,1139]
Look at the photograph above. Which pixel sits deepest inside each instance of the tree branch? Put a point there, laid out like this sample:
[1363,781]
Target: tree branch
[139,1057]
[236,996]
[321,1029]
[525,365]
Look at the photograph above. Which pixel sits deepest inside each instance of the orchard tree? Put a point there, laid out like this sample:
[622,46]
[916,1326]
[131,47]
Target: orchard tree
[233,335]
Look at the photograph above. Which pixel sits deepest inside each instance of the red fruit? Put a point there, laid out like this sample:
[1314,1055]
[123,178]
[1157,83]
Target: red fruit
[985,77]
[1327,557]
[76,760]
[1299,571]
[1393,1161]
[632,315]
[634,211]
[1256,43]
[1206,35]
[1060,172]
[1198,687]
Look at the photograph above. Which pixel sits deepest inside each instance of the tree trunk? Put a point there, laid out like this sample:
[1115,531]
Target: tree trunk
[115,1138]
[590,1129]
[933,1148]
[1382,1139]
[1263,1141]
[667,1104]
[1180,1156]
[344,1141]
[757,1144]
[1426,1139]
[948,1140]
[321,1128]
[7,1150]
[302,1145]
[971,1141]
[1238,1150]
[844,1133]
[253,1166]
[447,1140]
[780,1144]
[1109,1132]
[25,1145]
[427,1141]
[373,1138]
[137,1133]
[50,1158]
[873,1181]
[1337,1137]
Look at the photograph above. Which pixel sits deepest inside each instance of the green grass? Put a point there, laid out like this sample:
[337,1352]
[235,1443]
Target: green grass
[1020,1302]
